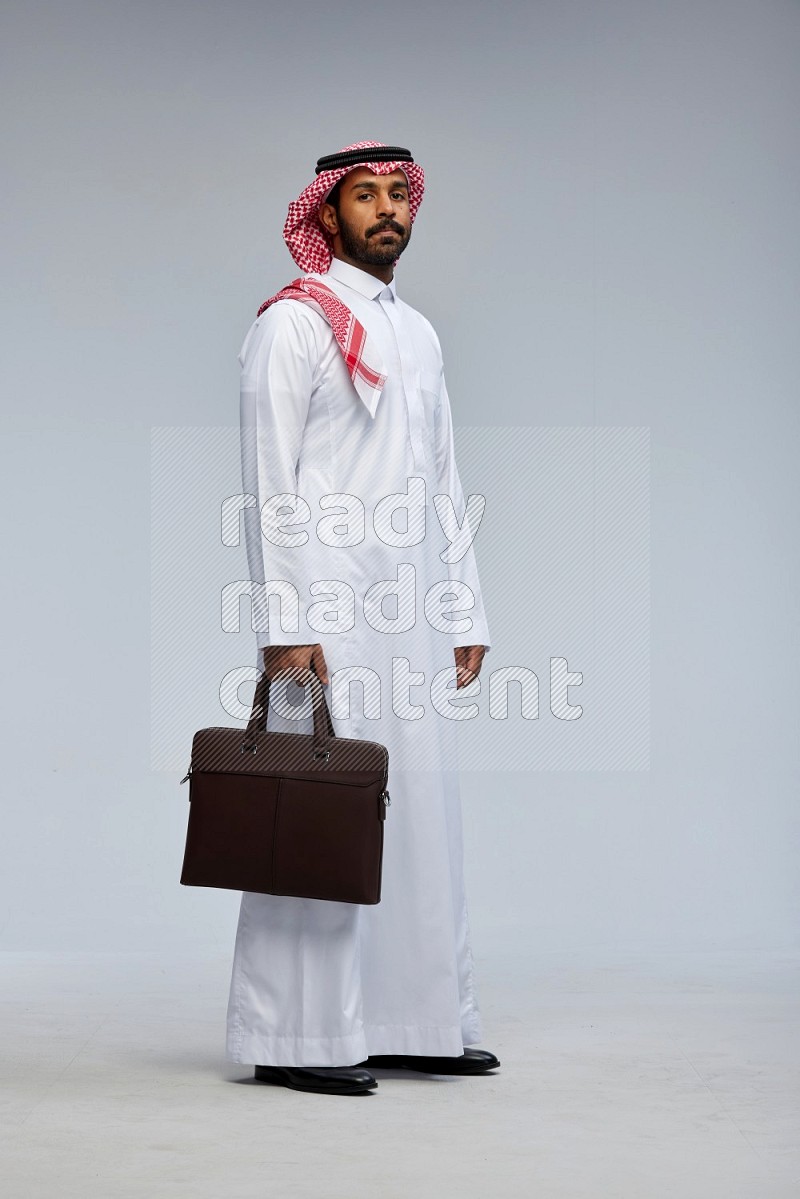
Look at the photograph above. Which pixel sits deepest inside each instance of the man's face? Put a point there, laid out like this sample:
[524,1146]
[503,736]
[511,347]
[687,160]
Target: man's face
[373,223]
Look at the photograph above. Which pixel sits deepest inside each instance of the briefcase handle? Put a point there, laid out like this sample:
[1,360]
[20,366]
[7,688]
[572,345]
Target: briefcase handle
[323,725]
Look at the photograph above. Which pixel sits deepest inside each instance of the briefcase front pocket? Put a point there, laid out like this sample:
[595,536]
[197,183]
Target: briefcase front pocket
[280,836]
[229,837]
[328,841]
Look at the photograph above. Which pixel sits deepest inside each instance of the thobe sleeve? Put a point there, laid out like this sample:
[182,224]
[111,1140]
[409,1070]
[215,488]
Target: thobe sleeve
[278,359]
[449,483]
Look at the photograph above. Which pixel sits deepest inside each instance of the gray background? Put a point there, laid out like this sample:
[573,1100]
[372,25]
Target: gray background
[608,238]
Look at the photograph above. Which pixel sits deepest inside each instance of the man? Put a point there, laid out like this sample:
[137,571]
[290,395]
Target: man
[344,407]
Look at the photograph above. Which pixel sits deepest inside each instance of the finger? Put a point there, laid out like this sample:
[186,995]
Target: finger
[475,658]
[320,665]
[464,676]
[291,673]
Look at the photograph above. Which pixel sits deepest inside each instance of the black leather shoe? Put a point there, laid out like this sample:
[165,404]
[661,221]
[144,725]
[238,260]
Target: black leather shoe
[327,1080]
[473,1061]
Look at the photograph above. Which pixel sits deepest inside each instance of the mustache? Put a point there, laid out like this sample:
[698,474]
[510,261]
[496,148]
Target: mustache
[393,225]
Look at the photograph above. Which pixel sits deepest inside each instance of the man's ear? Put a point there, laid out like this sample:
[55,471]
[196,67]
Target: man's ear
[328,218]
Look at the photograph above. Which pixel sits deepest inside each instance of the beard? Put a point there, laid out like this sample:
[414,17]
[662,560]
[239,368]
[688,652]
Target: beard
[372,248]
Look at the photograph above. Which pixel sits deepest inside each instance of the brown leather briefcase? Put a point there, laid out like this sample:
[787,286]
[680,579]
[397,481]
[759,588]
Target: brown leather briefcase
[287,813]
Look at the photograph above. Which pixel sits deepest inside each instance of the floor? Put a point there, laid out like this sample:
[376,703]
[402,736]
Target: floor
[623,1077]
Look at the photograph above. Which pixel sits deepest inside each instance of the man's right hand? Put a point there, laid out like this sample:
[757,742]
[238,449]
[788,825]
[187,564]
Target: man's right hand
[295,660]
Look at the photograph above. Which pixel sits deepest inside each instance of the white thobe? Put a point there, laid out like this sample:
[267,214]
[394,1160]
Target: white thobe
[324,983]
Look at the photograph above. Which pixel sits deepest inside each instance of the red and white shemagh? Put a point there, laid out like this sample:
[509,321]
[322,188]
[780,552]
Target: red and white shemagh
[311,248]
[361,359]
[309,244]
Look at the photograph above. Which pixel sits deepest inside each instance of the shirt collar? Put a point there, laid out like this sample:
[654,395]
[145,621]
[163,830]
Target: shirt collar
[362,281]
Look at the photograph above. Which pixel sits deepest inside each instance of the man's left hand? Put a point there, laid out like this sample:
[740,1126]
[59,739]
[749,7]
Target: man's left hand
[468,663]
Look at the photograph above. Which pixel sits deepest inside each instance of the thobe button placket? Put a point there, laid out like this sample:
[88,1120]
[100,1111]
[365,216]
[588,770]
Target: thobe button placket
[410,380]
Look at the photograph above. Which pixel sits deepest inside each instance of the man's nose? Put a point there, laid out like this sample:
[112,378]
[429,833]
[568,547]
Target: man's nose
[386,205]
